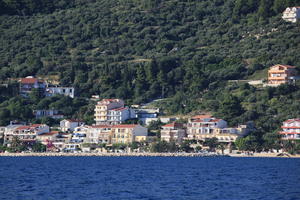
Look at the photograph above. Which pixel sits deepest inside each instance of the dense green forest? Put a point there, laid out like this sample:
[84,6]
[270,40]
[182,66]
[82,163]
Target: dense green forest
[140,50]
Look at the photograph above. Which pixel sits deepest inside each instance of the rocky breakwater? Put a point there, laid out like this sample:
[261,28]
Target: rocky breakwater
[113,154]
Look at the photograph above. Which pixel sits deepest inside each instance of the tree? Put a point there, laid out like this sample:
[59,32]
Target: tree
[230,107]
[222,147]
[185,146]
[272,141]
[212,143]
[38,147]
[289,146]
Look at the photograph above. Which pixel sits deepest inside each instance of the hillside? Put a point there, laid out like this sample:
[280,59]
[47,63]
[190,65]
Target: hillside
[143,50]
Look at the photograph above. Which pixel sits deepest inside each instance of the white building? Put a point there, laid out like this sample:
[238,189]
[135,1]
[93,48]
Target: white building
[146,115]
[203,124]
[26,133]
[291,14]
[291,129]
[47,113]
[79,134]
[172,132]
[70,124]
[67,91]
[103,107]
[99,134]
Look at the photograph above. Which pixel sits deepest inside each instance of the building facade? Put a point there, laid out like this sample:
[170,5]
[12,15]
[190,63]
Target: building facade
[290,129]
[203,124]
[47,113]
[66,91]
[118,115]
[173,132]
[281,74]
[29,83]
[99,134]
[203,127]
[126,133]
[291,14]
[70,124]
[103,108]
[25,133]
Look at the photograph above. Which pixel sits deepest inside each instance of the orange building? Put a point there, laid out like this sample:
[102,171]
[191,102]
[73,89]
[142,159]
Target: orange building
[281,74]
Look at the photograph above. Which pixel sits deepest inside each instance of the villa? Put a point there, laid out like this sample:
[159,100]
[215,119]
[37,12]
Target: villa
[202,127]
[291,14]
[29,83]
[281,74]
[290,129]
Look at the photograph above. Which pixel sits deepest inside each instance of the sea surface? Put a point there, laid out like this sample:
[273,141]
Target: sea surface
[149,178]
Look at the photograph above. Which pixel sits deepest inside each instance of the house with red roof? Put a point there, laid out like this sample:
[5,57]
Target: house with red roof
[29,83]
[281,74]
[203,124]
[111,111]
[173,132]
[291,129]
[291,14]
[26,133]
[46,138]
[202,127]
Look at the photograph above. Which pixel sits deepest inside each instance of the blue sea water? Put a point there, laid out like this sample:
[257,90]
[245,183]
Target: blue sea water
[149,178]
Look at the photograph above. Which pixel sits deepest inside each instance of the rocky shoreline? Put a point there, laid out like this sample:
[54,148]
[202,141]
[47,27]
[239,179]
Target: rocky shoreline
[48,154]
[114,154]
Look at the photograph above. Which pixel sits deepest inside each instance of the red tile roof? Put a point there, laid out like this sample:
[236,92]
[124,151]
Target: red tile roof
[292,120]
[173,125]
[125,126]
[28,80]
[50,133]
[287,66]
[169,125]
[29,127]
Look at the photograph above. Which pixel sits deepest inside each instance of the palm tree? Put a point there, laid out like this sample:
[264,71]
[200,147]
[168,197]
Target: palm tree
[221,147]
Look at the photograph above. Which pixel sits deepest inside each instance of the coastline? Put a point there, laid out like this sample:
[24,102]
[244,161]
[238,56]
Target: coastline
[48,154]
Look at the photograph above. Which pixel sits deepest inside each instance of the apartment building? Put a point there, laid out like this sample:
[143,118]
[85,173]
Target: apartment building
[103,108]
[127,133]
[203,124]
[281,74]
[291,129]
[99,134]
[173,132]
[25,133]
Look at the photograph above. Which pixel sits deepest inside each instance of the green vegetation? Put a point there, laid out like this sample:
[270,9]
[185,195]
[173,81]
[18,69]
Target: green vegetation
[143,50]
